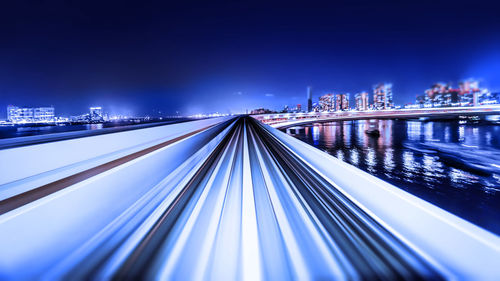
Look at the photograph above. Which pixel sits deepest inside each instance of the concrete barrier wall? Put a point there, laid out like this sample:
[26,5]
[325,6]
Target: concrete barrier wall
[452,244]
[35,165]
[52,226]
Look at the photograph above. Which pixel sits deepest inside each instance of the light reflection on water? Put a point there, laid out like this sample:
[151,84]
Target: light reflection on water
[354,157]
[409,166]
[371,161]
[315,134]
[461,133]
[389,160]
[454,188]
[94,126]
[340,155]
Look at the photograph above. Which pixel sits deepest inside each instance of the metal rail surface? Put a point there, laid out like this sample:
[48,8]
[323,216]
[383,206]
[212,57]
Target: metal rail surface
[235,201]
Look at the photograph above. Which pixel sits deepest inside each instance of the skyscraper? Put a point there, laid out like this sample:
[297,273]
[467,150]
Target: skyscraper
[470,91]
[327,103]
[342,102]
[96,113]
[361,101]
[382,96]
[309,99]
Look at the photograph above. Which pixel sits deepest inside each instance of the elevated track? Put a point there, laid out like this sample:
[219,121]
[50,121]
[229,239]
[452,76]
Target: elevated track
[223,199]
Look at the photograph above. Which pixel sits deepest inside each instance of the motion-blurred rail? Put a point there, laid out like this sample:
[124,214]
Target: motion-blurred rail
[228,200]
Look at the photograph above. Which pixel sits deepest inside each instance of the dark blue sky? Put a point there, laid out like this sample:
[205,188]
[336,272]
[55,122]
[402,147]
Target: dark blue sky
[210,56]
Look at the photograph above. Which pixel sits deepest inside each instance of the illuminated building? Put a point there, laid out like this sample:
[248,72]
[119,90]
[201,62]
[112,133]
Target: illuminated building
[451,97]
[420,101]
[342,102]
[326,103]
[470,91]
[41,114]
[30,114]
[468,86]
[382,96]
[361,100]
[435,96]
[441,95]
[316,107]
[468,94]
[95,114]
[261,111]
[16,114]
[299,108]
[490,98]
[309,99]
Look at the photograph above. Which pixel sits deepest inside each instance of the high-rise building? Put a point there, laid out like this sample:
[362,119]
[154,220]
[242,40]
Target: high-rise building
[435,96]
[420,100]
[342,102]
[309,99]
[490,98]
[327,102]
[382,96]
[361,101]
[469,85]
[96,113]
[19,114]
[316,107]
[261,111]
[299,108]
[30,114]
[470,92]
[451,97]
[43,114]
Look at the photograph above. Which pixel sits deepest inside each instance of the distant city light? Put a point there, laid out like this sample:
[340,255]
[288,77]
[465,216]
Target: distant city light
[30,114]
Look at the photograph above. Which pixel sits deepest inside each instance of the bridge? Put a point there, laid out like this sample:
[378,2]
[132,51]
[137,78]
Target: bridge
[218,199]
[292,119]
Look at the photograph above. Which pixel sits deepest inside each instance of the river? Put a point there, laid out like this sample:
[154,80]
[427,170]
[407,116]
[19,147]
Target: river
[391,157]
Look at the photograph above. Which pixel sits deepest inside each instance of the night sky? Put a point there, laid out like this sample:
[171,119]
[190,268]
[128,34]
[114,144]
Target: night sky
[144,57]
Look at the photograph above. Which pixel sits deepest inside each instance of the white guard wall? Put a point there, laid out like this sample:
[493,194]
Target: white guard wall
[51,227]
[454,245]
[26,167]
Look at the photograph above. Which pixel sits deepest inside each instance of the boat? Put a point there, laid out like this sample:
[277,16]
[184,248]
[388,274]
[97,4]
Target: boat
[372,132]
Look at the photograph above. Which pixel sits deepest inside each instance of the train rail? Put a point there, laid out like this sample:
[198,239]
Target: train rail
[244,206]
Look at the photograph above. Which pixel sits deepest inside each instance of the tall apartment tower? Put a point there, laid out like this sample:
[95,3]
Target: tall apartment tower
[382,96]
[327,103]
[342,102]
[309,99]
[361,101]
[95,113]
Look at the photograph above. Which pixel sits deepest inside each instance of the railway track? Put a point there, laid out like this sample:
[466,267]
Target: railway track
[246,207]
[255,211]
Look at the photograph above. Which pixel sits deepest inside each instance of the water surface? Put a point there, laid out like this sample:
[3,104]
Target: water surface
[455,188]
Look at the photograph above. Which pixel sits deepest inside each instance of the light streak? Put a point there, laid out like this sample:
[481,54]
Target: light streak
[238,200]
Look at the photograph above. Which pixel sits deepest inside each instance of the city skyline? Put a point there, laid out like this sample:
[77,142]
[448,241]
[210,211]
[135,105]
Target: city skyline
[229,58]
[316,99]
